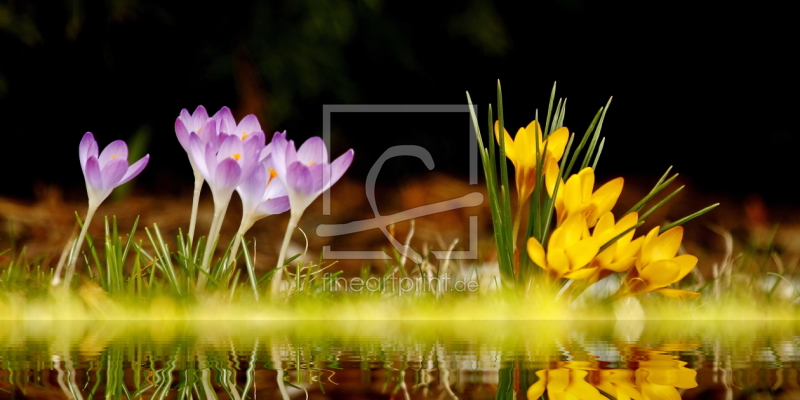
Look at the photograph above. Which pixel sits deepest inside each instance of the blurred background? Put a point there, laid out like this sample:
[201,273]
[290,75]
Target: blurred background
[709,88]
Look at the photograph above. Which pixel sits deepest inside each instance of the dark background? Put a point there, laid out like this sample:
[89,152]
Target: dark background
[710,88]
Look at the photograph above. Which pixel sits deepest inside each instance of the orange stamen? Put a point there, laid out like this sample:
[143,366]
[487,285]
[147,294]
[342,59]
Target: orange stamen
[236,156]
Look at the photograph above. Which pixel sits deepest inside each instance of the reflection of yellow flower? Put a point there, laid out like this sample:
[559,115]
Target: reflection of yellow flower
[658,378]
[658,267]
[522,153]
[563,384]
[569,249]
[616,382]
[577,196]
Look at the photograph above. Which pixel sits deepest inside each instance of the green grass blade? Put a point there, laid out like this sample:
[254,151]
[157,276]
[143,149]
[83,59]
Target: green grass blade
[688,218]
[251,269]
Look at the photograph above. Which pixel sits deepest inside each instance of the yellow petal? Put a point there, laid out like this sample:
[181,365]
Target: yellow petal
[573,228]
[536,253]
[557,141]
[525,148]
[606,196]
[686,262]
[551,175]
[605,223]
[586,176]
[526,181]
[581,274]
[556,240]
[535,131]
[678,294]
[660,273]
[606,256]
[558,262]
[582,253]
[647,248]
[631,249]
[667,244]
[581,389]
[621,265]
[687,377]
[572,195]
[627,222]
[509,143]
[537,389]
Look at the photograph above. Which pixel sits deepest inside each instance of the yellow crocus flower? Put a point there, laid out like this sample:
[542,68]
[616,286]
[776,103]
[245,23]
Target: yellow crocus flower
[620,255]
[522,152]
[576,196]
[569,249]
[619,383]
[657,266]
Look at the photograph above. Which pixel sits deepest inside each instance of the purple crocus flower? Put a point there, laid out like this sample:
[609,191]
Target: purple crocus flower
[199,123]
[305,173]
[225,168]
[103,172]
[109,169]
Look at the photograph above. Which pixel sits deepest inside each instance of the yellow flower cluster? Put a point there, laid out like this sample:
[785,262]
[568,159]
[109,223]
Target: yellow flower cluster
[577,248]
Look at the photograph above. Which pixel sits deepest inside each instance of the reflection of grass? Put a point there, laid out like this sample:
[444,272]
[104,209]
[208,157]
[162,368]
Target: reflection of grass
[128,359]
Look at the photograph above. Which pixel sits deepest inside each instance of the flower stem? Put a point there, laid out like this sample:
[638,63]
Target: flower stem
[198,187]
[277,277]
[213,234]
[76,249]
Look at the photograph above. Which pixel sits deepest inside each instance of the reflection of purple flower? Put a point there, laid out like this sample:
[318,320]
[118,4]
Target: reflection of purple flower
[109,169]
[306,172]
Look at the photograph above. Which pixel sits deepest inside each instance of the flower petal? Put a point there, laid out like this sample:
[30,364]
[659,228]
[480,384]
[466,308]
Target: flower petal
[226,175]
[582,253]
[247,125]
[313,151]
[667,244]
[225,121]
[135,169]
[116,150]
[580,274]
[252,189]
[686,262]
[87,148]
[508,142]
[558,262]
[606,196]
[660,273]
[299,178]
[113,172]
[557,141]
[586,176]
[337,168]
[92,173]
[182,133]
[536,252]
[274,206]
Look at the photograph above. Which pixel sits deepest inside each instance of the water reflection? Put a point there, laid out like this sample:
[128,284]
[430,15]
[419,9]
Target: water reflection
[400,360]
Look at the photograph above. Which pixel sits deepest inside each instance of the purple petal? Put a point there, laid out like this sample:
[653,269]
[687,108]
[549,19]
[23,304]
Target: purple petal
[338,167]
[275,188]
[279,145]
[225,121]
[207,131]
[211,163]
[197,152]
[227,175]
[200,114]
[265,153]
[248,125]
[300,178]
[116,150]
[92,173]
[185,116]
[182,133]
[313,151]
[230,146]
[113,173]
[274,206]
[135,169]
[252,188]
[87,148]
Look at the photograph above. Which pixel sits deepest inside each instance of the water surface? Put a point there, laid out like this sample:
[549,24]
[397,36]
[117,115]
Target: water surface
[399,360]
